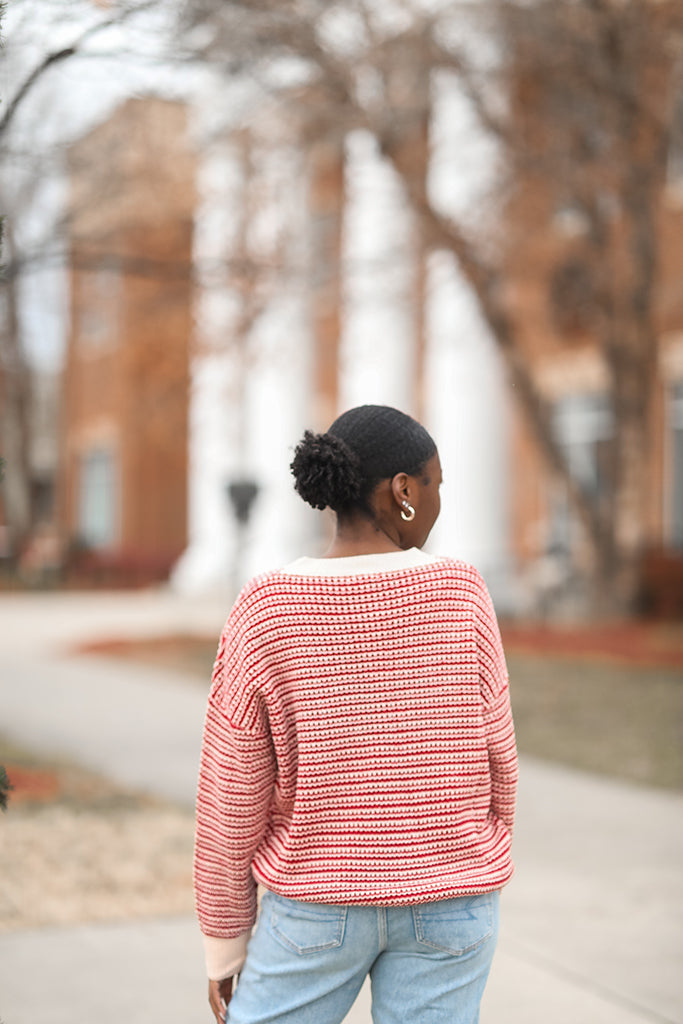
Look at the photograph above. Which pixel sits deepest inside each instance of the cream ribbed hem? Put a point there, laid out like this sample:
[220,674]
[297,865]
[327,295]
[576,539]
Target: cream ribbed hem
[225,957]
[359,565]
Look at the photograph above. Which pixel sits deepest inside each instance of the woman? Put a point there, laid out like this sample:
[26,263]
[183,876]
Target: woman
[359,758]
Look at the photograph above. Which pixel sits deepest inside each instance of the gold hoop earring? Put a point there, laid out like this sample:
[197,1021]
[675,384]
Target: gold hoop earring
[408,516]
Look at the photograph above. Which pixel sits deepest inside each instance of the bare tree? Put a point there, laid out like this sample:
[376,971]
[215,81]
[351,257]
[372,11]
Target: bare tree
[15,405]
[77,46]
[30,157]
[590,87]
[575,95]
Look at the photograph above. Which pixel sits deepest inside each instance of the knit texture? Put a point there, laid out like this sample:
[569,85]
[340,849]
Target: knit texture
[358,745]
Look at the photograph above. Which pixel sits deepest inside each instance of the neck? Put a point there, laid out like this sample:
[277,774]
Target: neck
[360,535]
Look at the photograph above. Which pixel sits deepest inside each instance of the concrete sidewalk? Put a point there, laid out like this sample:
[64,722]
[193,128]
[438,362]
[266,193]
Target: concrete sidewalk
[592,922]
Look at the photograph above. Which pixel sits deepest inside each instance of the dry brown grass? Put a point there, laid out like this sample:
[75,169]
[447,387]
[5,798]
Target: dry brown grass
[77,848]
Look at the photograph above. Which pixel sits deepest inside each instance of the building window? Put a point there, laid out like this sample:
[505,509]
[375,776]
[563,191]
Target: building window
[584,427]
[97,499]
[676,465]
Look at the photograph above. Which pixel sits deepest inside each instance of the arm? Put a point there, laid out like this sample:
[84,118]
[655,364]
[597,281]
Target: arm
[500,734]
[236,777]
[502,760]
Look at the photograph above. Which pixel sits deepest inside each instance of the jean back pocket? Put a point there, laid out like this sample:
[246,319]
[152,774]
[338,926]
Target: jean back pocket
[456,926]
[306,927]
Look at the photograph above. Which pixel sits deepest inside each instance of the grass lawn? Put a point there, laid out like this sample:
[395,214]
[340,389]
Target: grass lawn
[606,717]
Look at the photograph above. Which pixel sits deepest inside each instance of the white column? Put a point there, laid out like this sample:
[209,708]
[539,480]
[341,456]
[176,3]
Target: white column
[277,395]
[214,399]
[467,403]
[467,393]
[278,399]
[377,350]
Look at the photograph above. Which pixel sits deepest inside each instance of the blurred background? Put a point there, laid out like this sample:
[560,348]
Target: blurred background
[226,221]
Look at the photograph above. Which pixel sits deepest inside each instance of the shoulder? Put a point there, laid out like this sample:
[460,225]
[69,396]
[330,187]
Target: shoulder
[459,571]
[259,585]
[262,596]
[468,584]
[255,592]
[458,567]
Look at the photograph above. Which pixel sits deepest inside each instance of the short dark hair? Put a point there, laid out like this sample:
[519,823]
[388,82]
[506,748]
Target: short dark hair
[340,468]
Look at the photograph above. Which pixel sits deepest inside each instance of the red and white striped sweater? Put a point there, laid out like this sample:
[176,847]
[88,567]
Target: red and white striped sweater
[358,745]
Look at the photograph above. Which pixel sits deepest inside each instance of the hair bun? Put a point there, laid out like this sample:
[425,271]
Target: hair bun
[326,472]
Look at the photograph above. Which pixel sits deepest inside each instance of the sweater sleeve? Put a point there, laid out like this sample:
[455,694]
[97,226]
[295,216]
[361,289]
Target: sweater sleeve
[500,734]
[236,777]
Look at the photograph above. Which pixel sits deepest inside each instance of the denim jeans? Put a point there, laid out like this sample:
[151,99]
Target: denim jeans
[306,962]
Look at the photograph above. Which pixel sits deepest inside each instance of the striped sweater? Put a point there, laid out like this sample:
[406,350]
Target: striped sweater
[358,745]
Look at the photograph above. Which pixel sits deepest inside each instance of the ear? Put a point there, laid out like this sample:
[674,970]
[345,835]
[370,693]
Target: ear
[400,488]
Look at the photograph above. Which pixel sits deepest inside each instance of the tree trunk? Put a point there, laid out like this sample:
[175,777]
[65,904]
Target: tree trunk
[15,382]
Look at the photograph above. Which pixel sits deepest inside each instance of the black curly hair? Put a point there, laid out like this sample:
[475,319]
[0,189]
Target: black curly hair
[340,468]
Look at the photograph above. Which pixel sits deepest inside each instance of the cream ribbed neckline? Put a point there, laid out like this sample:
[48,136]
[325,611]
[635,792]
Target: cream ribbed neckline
[360,565]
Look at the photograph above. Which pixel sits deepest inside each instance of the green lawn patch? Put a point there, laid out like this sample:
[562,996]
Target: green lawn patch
[619,720]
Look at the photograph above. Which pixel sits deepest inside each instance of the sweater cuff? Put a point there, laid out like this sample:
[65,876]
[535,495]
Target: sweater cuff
[225,957]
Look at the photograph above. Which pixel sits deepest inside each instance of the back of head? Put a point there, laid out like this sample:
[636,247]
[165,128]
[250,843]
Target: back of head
[340,468]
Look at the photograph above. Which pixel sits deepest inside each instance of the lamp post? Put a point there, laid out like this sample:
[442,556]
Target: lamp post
[242,493]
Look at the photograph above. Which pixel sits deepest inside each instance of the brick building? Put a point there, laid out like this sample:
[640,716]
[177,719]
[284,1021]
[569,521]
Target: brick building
[123,480]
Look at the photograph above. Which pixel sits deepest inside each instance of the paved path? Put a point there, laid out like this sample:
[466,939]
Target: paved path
[592,922]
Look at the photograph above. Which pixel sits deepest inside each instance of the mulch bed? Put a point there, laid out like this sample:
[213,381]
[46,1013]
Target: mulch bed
[32,785]
[181,652]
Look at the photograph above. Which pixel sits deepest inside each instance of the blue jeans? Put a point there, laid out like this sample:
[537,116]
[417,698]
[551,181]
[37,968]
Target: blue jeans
[306,962]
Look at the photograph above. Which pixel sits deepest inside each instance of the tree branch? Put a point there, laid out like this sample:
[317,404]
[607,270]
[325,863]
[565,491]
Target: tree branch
[486,285]
[58,56]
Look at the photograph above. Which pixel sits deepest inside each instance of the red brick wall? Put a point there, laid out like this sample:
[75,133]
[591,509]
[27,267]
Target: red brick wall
[127,370]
